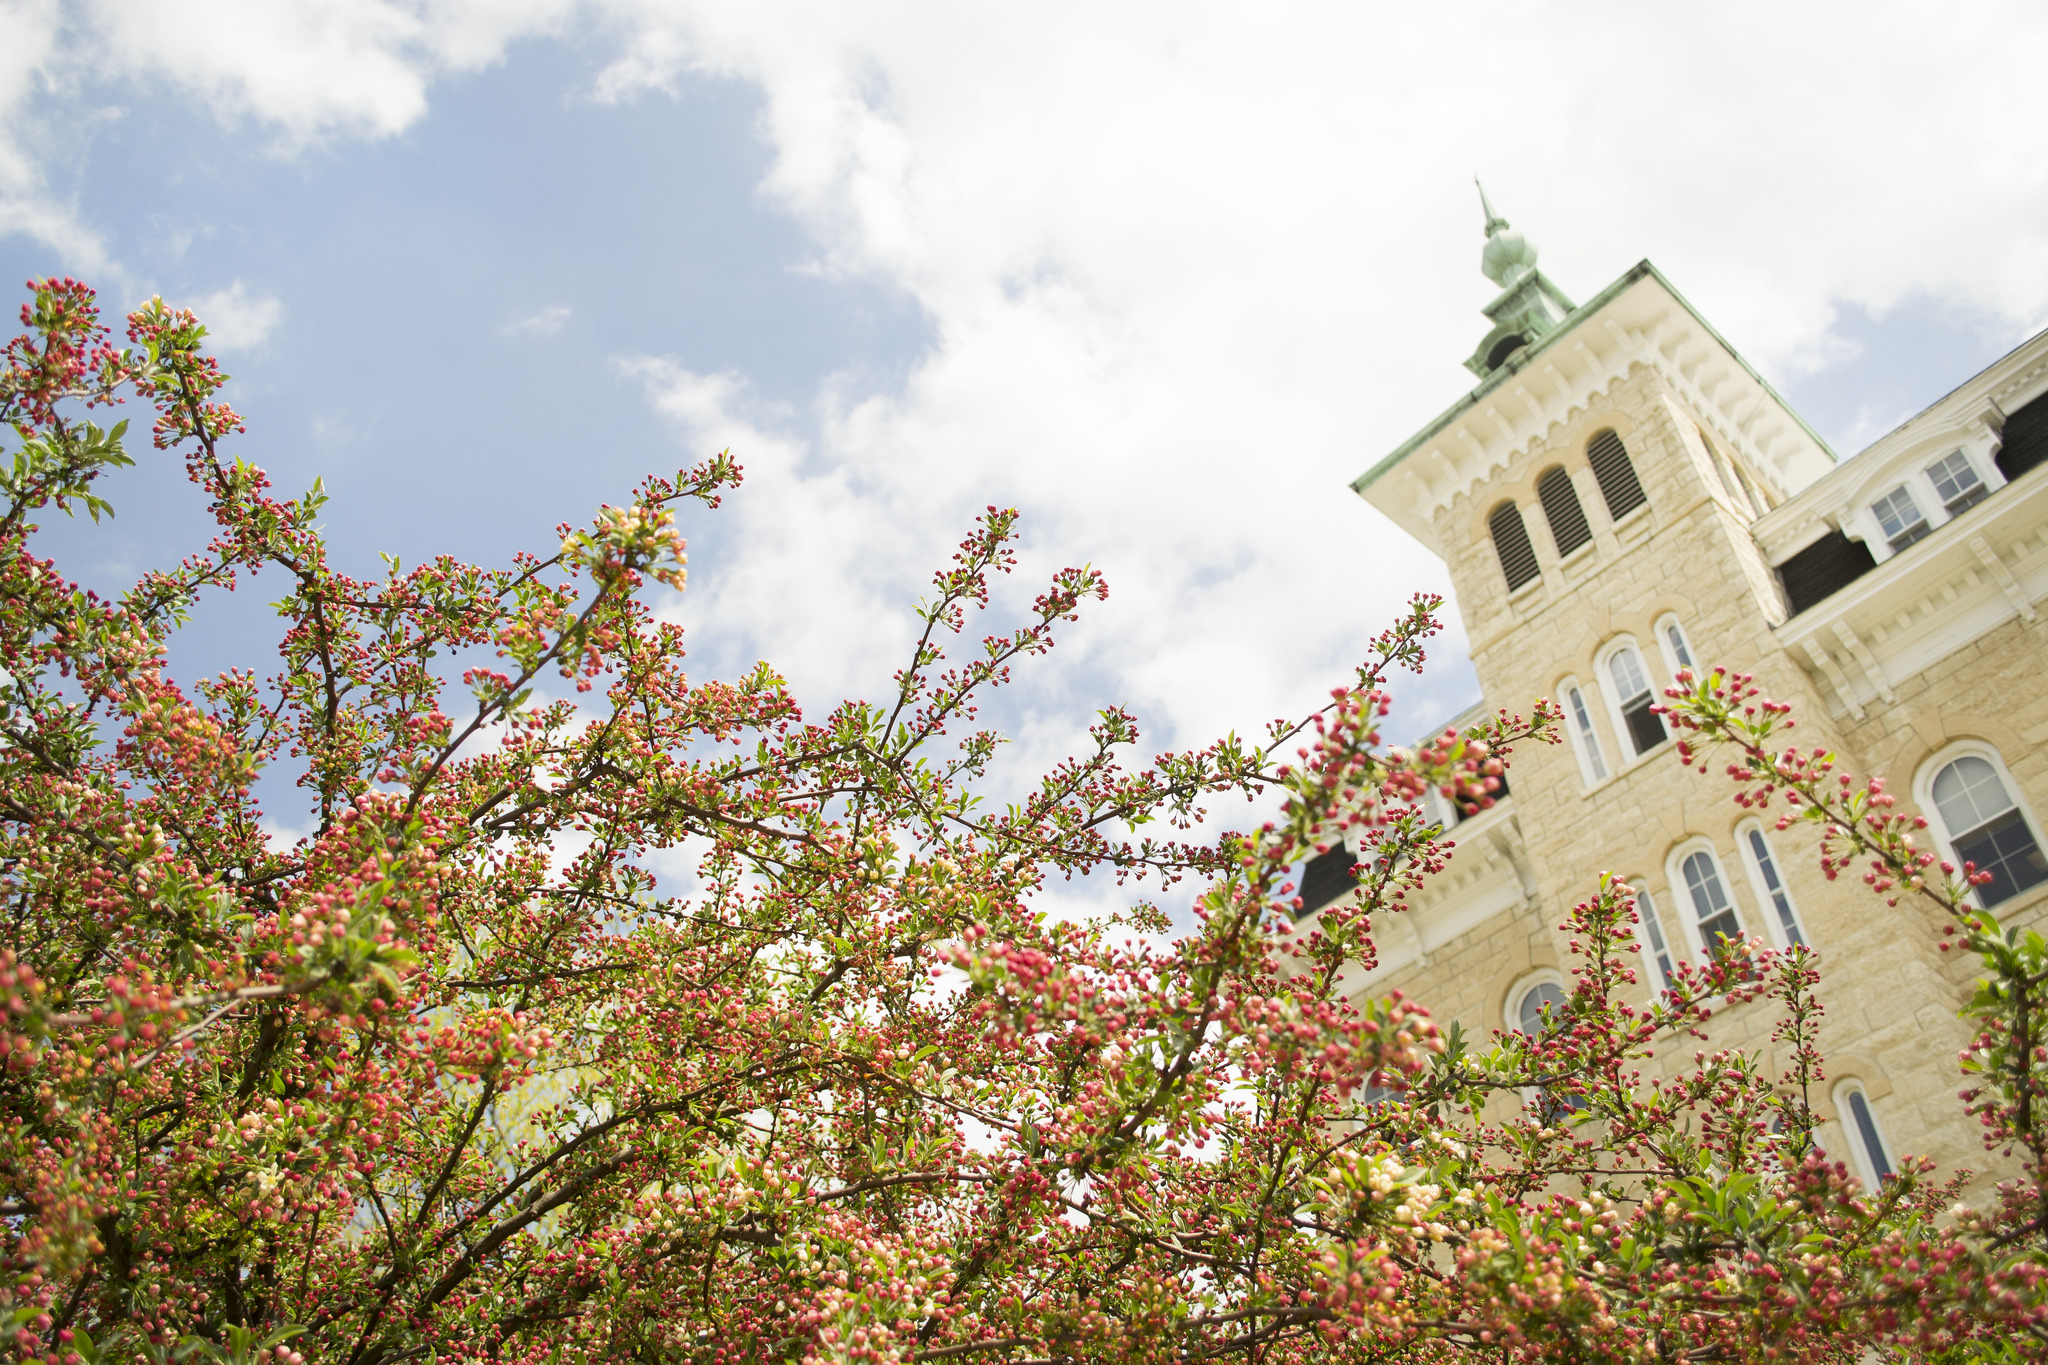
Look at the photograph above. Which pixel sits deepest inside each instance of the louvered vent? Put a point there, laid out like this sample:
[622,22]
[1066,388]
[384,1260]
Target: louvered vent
[1822,569]
[2026,440]
[1617,476]
[1511,542]
[1561,508]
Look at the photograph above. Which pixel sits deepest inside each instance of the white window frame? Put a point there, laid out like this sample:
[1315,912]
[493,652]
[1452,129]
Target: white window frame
[1681,894]
[1759,887]
[1667,623]
[1617,722]
[1923,796]
[1594,769]
[1853,1132]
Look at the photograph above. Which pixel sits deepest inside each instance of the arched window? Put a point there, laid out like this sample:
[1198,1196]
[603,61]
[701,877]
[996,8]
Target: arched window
[1653,939]
[1671,639]
[1511,543]
[1985,826]
[1713,913]
[1770,882]
[1561,508]
[1527,1014]
[1633,698]
[1585,743]
[1864,1137]
[1617,476]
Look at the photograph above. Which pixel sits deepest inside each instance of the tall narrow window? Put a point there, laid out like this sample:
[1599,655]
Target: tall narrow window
[1774,886]
[1561,508]
[1900,517]
[1671,639]
[1712,910]
[1653,936]
[1857,1117]
[1582,727]
[1511,543]
[1955,478]
[1617,475]
[1632,689]
[1986,827]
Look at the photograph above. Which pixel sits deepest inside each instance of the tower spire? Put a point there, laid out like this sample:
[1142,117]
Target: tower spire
[1509,257]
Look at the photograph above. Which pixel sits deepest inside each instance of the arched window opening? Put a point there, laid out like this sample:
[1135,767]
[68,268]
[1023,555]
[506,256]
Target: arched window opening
[1502,349]
[1774,886]
[1582,733]
[1616,474]
[1511,543]
[1561,508]
[1544,995]
[1986,827]
[1632,689]
[1653,935]
[1671,639]
[1861,1121]
[1712,910]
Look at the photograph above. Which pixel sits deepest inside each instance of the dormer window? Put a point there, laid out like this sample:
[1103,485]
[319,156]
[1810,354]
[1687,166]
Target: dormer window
[1955,479]
[1900,517]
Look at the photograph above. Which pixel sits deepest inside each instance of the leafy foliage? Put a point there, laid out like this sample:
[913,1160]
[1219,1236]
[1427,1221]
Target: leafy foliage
[454,1077]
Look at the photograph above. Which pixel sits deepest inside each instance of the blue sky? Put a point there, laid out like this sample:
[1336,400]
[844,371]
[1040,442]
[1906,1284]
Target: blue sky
[1165,276]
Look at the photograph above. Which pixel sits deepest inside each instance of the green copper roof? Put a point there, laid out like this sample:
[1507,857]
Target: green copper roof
[1520,359]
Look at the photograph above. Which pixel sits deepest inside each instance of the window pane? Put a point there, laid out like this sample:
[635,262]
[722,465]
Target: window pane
[1968,793]
[1645,727]
[1956,481]
[1586,735]
[1529,1015]
[1629,679]
[1779,899]
[2006,849]
[1866,1131]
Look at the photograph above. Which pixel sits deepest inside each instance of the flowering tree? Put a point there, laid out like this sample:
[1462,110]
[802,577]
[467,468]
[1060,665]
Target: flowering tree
[452,1077]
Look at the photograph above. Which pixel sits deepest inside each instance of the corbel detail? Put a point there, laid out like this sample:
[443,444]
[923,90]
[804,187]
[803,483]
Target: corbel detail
[1836,678]
[2014,593]
[1865,660]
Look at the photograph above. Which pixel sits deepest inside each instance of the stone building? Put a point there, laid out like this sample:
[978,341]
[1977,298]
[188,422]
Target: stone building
[1622,495]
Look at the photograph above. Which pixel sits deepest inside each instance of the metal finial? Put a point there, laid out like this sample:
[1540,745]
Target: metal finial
[1494,222]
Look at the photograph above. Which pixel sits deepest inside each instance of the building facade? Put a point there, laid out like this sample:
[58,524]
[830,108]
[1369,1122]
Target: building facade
[1622,495]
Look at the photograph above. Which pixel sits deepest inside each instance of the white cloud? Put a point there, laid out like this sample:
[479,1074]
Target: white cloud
[545,323]
[1190,268]
[237,320]
[310,69]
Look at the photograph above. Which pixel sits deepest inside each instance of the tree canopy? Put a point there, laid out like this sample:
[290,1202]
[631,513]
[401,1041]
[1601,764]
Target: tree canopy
[454,1077]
